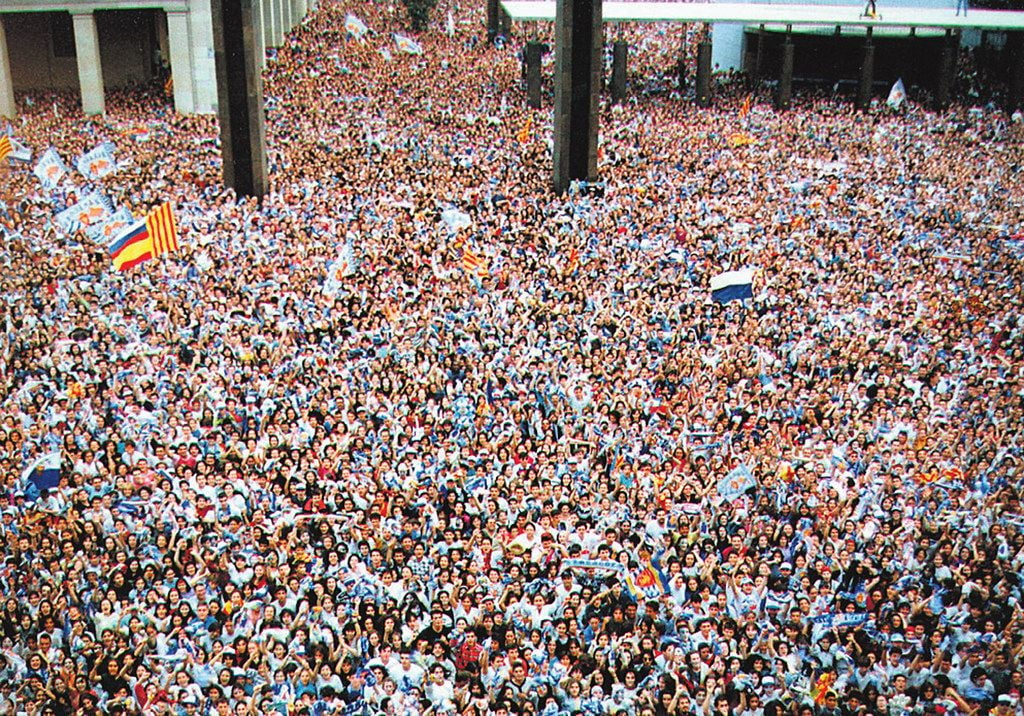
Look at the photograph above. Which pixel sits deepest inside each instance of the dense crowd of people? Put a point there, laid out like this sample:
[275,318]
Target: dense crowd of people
[415,435]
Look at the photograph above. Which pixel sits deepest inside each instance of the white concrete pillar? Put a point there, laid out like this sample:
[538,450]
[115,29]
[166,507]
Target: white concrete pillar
[179,39]
[299,11]
[90,71]
[204,69]
[286,17]
[279,28]
[269,10]
[259,42]
[7,106]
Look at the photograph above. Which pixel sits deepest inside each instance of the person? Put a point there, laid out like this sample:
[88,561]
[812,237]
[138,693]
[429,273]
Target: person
[413,432]
[961,5]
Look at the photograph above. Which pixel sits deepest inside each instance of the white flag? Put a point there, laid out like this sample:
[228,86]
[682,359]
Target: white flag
[408,45]
[897,95]
[50,169]
[19,151]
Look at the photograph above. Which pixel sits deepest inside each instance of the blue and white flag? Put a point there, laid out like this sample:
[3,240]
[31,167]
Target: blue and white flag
[738,481]
[104,232]
[355,27]
[339,269]
[408,45]
[850,619]
[50,169]
[97,163]
[43,473]
[593,564]
[91,209]
[455,219]
[733,285]
[19,151]
[897,95]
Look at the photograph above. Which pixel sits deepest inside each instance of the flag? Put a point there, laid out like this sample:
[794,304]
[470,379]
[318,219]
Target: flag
[344,265]
[105,231]
[822,686]
[97,163]
[50,169]
[738,481]
[455,219]
[732,285]
[526,131]
[408,45]
[145,239]
[739,139]
[139,133]
[43,473]
[91,208]
[897,95]
[132,247]
[745,107]
[472,263]
[18,150]
[163,229]
[5,147]
[646,583]
[786,473]
[573,261]
[355,27]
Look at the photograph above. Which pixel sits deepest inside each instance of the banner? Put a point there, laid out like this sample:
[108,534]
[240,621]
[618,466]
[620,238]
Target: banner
[736,483]
[19,151]
[106,231]
[408,45]
[50,169]
[355,27]
[594,564]
[98,163]
[646,583]
[43,473]
[897,95]
[91,209]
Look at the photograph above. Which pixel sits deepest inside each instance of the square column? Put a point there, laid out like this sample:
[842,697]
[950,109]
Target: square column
[7,106]
[579,46]
[90,71]
[179,40]
[278,23]
[620,54]
[269,10]
[240,98]
[259,42]
[286,18]
[534,53]
[204,71]
[299,10]
[704,74]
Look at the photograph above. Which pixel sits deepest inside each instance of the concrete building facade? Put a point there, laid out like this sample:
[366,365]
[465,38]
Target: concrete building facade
[97,45]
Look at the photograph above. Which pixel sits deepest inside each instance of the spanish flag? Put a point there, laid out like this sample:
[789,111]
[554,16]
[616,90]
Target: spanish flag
[5,147]
[132,247]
